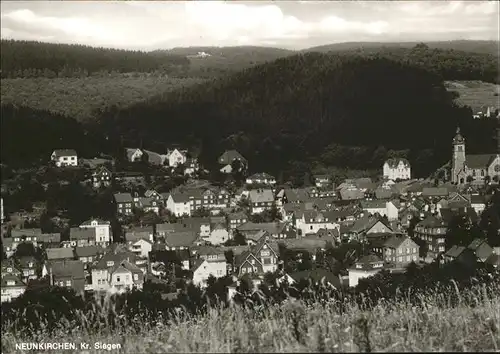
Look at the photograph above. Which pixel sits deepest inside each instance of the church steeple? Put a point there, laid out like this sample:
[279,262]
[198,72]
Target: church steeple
[458,139]
[458,158]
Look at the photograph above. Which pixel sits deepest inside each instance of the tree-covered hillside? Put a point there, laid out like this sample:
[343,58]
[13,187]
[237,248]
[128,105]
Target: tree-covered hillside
[28,136]
[475,46]
[297,110]
[449,64]
[36,59]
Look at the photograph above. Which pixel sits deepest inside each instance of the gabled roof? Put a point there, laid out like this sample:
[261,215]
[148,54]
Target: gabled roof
[435,192]
[123,198]
[77,233]
[432,222]
[272,228]
[393,163]
[64,152]
[396,240]
[477,199]
[493,259]
[59,253]
[455,251]
[137,233]
[373,204]
[88,251]
[261,196]
[368,261]
[67,268]
[181,239]
[99,222]
[229,155]
[6,278]
[197,264]
[261,175]
[482,161]
[115,256]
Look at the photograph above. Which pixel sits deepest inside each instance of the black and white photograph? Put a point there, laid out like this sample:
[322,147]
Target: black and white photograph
[250,176]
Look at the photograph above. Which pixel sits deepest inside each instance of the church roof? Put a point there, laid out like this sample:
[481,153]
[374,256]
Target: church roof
[479,161]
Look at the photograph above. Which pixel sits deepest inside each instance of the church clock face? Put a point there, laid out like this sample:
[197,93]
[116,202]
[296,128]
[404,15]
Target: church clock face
[497,168]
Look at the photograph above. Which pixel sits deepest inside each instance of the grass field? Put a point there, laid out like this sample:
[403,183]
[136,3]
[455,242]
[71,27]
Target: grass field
[80,97]
[295,327]
[476,94]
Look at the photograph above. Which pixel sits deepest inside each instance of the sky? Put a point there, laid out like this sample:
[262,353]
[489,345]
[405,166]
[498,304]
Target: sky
[145,25]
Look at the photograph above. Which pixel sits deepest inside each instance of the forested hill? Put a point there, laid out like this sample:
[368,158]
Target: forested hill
[478,46]
[299,108]
[35,59]
[449,64]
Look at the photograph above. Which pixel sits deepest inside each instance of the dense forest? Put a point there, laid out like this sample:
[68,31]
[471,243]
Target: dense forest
[29,136]
[36,59]
[448,64]
[23,59]
[309,109]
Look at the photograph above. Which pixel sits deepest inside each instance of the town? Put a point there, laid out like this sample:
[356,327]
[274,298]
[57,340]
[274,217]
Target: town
[163,219]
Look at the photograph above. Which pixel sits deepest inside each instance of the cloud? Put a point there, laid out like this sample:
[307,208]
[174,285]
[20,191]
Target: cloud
[151,25]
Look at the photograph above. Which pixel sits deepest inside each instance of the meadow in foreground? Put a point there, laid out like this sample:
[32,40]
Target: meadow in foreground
[435,325]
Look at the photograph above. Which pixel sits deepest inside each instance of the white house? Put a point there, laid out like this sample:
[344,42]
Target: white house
[261,178]
[179,204]
[203,268]
[365,267]
[134,154]
[382,207]
[141,247]
[126,276]
[12,287]
[65,157]
[102,230]
[218,235]
[311,221]
[176,157]
[398,168]
[261,199]
[116,273]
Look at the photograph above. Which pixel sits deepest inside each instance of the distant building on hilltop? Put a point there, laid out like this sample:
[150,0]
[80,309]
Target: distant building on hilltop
[478,167]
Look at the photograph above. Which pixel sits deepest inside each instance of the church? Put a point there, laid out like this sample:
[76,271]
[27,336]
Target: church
[477,167]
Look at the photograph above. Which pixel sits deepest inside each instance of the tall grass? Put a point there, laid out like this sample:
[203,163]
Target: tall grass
[436,324]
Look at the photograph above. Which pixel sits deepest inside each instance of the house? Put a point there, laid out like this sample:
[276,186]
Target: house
[237,219]
[227,159]
[260,200]
[89,255]
[478,202]
[461,254]
[35,236]
[9,267]
[124,203]
[179,204]
[149,205]
[475,168]
[64,157]
[398,250]
[322,181]
[134,155]
[350,191]
[12,287]
[481,249]
[141,247]
[260,259]
[154,158]
[382,207]
[218,235]
[397,169]
[101,177]
[67,273]
[176,157]
[136,233]
[213,263]
[364,267]
[28,267]
[435,192]
[82,236]
[180,240]
[260,179]
[276,230]
[117,271]
[102,230]
[59,254]
[311,221]
[367,225]
[432,230]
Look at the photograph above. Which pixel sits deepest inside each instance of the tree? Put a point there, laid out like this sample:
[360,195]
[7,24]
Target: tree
[239,238]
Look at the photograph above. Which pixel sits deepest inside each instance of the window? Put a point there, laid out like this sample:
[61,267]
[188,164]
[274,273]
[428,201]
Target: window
[9,270]
[68,282]
[482,173]
[136,276]
[118,278]
[110,263]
